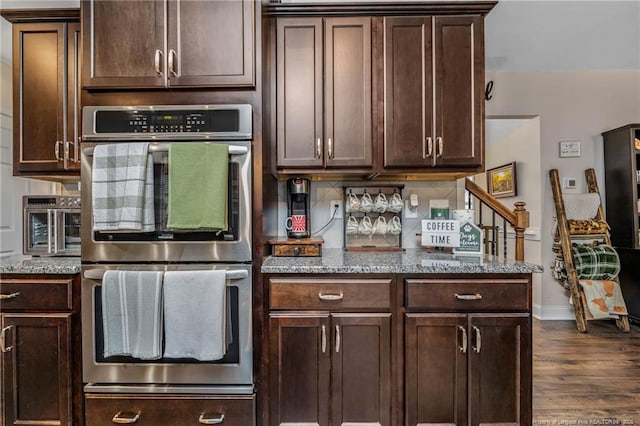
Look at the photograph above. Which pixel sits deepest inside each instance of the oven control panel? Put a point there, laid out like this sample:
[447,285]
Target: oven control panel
[167,121]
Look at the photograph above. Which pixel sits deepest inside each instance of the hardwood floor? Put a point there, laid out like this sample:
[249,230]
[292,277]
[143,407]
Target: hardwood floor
[585,379]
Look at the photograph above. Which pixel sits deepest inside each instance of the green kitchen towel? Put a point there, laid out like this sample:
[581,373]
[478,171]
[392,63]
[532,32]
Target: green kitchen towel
[198,183]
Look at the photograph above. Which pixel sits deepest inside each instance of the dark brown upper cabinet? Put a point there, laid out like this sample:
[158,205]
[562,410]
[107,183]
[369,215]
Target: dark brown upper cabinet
[434,87]
[168,43]
[323,107]
[46,67]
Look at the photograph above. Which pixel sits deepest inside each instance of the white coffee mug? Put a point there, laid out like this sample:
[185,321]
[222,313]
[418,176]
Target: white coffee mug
[352,226]
[381,203]
[394,227]
[352,203]
[365,227]
[396,203]
[380,226]
[366,203]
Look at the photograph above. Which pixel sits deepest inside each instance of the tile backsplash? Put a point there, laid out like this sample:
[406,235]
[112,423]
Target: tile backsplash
[322,192]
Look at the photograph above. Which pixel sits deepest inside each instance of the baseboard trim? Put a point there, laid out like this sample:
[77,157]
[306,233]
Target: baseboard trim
[553,312]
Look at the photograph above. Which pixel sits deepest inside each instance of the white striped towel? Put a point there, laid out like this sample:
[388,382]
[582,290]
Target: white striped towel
[122,188]
[132,313]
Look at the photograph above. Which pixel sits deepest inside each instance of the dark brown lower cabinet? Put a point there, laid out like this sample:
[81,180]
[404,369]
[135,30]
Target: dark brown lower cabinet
[169,410]
[468,369]
[38,340]
[330,368]
[36,368]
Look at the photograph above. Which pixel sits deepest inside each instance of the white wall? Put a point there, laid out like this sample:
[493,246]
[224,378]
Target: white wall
[571,105]
[563,35]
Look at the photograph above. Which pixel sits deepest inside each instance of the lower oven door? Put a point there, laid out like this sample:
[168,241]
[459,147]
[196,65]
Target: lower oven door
[231,374]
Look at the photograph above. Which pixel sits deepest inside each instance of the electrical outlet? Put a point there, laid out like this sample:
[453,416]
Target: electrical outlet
[338,213]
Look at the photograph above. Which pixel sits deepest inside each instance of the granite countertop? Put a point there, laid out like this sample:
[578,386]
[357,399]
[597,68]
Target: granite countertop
[39,265]
[411,261]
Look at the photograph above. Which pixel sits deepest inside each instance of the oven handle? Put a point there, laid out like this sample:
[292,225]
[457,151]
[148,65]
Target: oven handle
[164,147]
[97,274]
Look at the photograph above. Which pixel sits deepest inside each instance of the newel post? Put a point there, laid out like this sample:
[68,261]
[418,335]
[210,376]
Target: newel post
[522,223]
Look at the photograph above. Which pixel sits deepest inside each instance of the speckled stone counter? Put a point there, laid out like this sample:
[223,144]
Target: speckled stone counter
[39,265]
[411,261]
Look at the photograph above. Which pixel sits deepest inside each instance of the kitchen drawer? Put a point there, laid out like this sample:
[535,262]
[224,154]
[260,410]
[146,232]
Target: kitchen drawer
[169,410]
[289,293]
[468,296]
[35,294]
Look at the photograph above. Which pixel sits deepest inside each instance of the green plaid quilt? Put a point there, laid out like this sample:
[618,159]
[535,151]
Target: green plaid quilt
[596,263]
[599,262]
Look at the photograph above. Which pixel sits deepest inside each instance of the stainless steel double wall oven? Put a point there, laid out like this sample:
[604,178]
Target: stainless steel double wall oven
[166,250]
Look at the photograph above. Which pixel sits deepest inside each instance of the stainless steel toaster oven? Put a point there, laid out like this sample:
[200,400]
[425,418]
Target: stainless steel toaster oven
[51,225]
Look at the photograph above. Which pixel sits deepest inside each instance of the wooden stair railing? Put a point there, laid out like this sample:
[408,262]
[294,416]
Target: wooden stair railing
[518,219]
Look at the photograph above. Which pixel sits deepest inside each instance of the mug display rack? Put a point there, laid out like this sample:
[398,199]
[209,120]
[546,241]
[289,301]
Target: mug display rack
[373,217]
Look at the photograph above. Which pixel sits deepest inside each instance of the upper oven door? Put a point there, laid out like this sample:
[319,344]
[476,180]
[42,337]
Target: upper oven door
[163,245]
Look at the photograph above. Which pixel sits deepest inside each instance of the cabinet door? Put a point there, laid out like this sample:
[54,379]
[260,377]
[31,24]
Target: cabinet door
[408,85]
[123,43]
[38,75]
[347,97]
[436,369]
[459,90]
[360,369]
[36,369]
[299,132]
[299,369]
[500,369]
[211,43]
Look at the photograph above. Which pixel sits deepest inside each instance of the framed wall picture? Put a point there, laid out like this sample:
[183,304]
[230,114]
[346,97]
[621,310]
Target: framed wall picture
[501,181]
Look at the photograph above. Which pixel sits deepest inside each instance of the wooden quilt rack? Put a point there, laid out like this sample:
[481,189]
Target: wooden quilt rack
[564,237]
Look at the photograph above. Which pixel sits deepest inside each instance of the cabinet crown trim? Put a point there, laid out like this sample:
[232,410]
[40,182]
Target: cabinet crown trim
[16,16]
[400,8]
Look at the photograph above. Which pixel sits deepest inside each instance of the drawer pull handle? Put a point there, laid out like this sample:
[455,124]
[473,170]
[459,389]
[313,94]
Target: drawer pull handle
[469,296]
[3,343]
[9,296]
[219,418]
[329,296]
[127,418]
[463,348]
[337,338]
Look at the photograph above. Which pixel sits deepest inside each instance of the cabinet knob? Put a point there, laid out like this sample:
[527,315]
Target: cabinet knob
[476,296]
[3,344]
[328,296]
[427,148]
[56,150]
[296,251]
[478,344]
[463,346]
[125,418]
[9,296]
[215,420]
[323,339]
[156,61]
[171,58]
